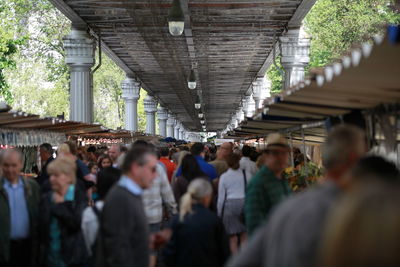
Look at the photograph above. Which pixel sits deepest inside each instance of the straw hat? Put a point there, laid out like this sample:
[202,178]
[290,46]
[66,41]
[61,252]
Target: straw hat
[276,139]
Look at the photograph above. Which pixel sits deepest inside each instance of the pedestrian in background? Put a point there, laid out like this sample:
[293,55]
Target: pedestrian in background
[19,205]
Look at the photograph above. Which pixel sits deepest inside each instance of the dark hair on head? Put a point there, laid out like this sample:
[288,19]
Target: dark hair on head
[123,149]
[140,142]
[137,154]
[101,158]
[106,178]
[254,155]
[47,147]
[164,151]
[190,168]
[233,161]
[91,149]
[91,165]
[375,169]
[246,151]
[72,147]
[197,149]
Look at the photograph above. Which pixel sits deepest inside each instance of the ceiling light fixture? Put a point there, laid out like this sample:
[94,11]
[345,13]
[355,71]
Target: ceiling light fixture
[192,80]
[176,19]
[197,104]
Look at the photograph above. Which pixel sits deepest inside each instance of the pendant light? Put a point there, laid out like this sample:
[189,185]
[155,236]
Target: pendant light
[192,80]
[197,104]
[202,121]
[201,115]
[176,19]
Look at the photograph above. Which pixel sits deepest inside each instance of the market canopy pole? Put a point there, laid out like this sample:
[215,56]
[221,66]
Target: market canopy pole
[79,48]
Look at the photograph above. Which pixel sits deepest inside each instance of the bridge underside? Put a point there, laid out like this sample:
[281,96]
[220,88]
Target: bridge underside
[230,41]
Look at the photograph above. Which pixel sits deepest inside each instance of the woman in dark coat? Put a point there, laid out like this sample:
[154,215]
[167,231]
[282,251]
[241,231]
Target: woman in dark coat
[61,240]
[190,171]
[198,235]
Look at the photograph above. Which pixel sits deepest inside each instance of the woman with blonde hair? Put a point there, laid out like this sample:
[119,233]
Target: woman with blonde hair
[61,240]
[198,235]
[364,229]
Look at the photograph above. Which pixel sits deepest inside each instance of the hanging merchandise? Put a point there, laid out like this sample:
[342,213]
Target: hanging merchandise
[16,137]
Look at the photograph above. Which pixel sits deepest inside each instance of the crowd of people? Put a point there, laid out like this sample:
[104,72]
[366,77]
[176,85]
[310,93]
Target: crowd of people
[197,205]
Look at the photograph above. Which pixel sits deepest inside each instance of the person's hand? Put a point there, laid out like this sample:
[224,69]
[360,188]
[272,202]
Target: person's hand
[159,239]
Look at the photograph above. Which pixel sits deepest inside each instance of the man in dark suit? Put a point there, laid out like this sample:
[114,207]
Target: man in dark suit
[46,156]
[123,238]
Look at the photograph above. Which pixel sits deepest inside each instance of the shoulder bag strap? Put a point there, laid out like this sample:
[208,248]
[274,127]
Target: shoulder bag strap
[245,181]
[96,210]
[223,206]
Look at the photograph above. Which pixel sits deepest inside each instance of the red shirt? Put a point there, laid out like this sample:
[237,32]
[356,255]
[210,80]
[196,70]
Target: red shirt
[169,165]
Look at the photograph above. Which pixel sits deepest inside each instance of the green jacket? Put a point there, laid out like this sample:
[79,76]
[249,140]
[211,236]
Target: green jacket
[264,191]
[32,197]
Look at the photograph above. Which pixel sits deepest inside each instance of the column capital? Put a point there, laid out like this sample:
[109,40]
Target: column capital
[257,88]
[130,89]
[150,104]
[295,49]
[162,113]
[79,49]
[171,120]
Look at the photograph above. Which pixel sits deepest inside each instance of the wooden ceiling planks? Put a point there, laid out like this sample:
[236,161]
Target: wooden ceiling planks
[232,40]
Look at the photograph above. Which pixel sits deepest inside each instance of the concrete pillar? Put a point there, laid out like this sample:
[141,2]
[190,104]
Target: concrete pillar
[130,94]
[150,108]
[295,56]
[177,127]
[181,133]
[170,125]
[162,121]
[79,56]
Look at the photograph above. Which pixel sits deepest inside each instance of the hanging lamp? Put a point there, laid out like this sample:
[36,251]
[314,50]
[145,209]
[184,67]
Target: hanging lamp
[197,104]
[192,80]
[176,19]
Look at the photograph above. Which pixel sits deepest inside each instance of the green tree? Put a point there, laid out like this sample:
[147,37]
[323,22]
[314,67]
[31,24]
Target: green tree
[335,25]
[33,73]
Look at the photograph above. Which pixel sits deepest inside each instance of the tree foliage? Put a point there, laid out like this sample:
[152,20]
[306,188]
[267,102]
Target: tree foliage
[32,65]
[335,25]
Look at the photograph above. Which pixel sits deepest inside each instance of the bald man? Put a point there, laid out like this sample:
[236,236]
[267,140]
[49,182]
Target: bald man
[223,152]
[19,204]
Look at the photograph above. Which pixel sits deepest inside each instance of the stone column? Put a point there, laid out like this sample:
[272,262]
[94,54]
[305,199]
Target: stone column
[249,106]
[162,121]
[177,127]
[150,108]
[79,56]
[170,125]
[295,56]
[257,92]
[182,133]
[130,94]
[261,90]
[240,115]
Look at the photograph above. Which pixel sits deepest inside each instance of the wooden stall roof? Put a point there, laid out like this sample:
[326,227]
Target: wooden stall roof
[366,77]
[20,120]
[231,42]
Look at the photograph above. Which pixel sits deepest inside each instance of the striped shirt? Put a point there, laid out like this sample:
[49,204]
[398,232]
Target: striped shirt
[158,194]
